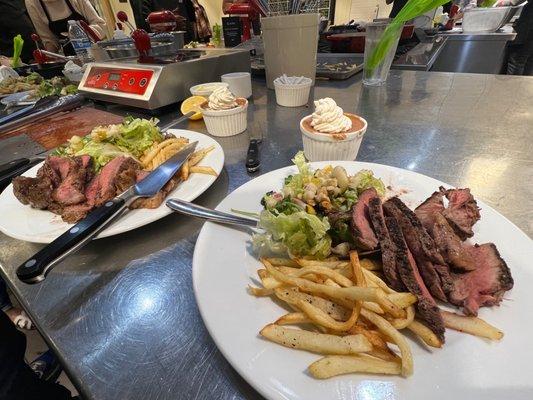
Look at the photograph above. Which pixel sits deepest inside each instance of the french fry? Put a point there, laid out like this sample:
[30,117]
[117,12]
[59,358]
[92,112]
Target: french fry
[330,366]
[401,323]
[424,333]
[292,296]
[321,318]
[334,264]
[371,265]
[198,156]
[185,171]
[403,299]
[375,308]
[287,262]
[293,319]
[387,355]
[331,282]
[203,170]
[378,282]
[328,272]
[267,280]
[472,325]
[316,342]
[384,326]
[260,292]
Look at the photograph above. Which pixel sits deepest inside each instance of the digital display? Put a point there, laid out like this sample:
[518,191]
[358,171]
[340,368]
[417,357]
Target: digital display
[114,77]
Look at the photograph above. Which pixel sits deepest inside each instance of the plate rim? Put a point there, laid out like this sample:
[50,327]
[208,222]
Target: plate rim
[265,390]
[108,232]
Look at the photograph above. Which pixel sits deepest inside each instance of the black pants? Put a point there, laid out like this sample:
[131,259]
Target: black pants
[17,380]
[520,58]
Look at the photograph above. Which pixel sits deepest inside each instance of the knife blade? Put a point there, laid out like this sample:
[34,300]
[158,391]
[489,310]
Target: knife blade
[36,268]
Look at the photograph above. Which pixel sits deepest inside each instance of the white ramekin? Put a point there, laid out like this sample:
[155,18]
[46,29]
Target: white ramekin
[226,122]
[205,89]
[293,95]
[326,147]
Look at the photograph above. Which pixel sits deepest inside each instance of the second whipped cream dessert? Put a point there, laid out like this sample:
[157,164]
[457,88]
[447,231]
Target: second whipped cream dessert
[225,114]
[330,133]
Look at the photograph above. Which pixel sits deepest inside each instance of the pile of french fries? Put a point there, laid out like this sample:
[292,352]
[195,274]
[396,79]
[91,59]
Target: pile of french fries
[344,311]
[162,151]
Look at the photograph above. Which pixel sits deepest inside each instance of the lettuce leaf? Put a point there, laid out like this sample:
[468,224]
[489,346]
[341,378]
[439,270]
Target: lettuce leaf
[365,179]
[101,153]
[136,135]
[299,234]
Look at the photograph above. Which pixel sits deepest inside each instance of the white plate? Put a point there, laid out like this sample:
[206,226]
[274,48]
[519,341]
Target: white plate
[465,368]
[16,97]
[26,223]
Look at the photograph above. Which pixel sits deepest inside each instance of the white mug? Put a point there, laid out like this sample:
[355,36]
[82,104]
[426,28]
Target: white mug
[240,83]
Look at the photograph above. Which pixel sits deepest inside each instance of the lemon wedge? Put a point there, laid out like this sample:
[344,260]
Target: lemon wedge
[193,104]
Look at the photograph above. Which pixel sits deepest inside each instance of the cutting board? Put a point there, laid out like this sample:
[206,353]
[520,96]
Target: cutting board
[57,129]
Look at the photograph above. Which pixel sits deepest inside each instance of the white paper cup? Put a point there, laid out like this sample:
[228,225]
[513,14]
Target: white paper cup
[326,147]
[205,89]
[293,95]
[226,122]
[240,83]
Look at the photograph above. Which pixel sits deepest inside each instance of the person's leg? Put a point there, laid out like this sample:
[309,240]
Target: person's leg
[15,314]
[5,302]
[517,59]
[19,382]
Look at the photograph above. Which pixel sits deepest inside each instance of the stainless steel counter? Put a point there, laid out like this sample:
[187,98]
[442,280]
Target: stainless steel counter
[467,130]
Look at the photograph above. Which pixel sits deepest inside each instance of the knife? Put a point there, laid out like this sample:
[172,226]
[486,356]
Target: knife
[36,268]
[253,160]
[17,167]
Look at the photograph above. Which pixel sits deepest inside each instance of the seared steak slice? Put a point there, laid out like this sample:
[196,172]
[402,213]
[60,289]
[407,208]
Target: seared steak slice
[362,230]
[422,248]
[454,251]
[71,189]
[462,211]
[484,286]
[157,200]
[388,251]
[74,213]
[428,209]
[410,276]
[104,186]
[37,192]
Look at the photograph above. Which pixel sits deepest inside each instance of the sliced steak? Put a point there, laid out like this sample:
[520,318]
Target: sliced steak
[428,209]
[61,165]
[388,251]
[105,186]
[37,192]
[454,251]
[410,276]
[422,247]
[484,286]
[157,200]
[360,224]
[462,211]
[75,213]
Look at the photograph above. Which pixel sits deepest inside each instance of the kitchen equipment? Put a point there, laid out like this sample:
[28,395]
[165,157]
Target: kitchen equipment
[338,66]
[37,267]
[240,83]
[165,81]
[249,13]
[354,42]
[36,106]
[290,45]
[484,20]
[162,21]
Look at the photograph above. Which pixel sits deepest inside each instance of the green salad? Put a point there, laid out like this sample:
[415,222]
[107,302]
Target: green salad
[310,215]
[57,85]
[131,138]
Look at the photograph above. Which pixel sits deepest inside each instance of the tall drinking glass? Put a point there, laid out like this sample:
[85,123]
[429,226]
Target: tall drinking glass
[376,75]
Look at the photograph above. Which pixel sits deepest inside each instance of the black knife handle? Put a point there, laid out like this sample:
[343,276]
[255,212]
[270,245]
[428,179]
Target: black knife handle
[252,157]
[36,268]
[13,165]
[6,179]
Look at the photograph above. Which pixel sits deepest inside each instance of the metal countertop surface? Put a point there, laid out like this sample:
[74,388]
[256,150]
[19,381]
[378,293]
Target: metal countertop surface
[464,129]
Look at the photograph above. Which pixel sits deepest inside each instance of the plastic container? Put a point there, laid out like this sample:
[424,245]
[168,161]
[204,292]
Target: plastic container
[79,40]
[290,45]
[326,147]
[226,122]
[205,89]
[292,95]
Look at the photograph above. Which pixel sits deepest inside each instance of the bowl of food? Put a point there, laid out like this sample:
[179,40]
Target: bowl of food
[292,91]
[224,114]
[205,89]
[330,133]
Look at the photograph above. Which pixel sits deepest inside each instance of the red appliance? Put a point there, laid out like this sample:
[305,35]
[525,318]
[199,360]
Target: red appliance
[248,13]
[162,21]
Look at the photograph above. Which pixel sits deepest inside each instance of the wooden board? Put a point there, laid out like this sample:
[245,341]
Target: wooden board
[57,129]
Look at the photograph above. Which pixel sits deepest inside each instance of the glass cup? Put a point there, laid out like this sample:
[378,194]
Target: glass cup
[378,75]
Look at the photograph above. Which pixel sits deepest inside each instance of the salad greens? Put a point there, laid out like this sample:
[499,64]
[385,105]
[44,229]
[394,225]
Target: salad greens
[57,85]
[18,43]
[131,138]
[311,214]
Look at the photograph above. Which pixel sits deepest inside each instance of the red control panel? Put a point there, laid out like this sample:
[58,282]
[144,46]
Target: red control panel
[134,81]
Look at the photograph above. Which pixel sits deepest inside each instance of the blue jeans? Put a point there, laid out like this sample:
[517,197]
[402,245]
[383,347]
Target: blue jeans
[5,302]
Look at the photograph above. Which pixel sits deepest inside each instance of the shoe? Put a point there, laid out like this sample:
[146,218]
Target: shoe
[46,366]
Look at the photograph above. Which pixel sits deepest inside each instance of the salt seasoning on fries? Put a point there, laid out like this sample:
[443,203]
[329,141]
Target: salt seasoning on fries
[350,315]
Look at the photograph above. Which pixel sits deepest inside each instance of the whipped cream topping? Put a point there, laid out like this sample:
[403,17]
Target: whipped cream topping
[222,99]
[329,117]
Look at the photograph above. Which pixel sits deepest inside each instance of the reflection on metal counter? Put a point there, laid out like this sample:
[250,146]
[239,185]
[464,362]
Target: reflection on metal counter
[164,81]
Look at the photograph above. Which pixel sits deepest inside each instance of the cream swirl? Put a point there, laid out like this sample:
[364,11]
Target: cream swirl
[329,117]
[222,99]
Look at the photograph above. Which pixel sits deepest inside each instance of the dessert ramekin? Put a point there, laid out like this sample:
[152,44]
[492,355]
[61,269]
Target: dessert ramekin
[226,122]
[326,146]
[292,95]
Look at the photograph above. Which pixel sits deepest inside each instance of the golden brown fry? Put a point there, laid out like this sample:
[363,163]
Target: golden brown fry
[198,156]
[321,318]
[377,281]
[331,282]
[374,337]
[292,296]
[401,323]
[371,265]
[293,319]
[402,300]
[472,325]
[357,272]
[185,171]
[316,342]
[283,262]
[328,272]
[387,355]
[384,326]
[424,333]
[203,170]
[260,292]
[329,263]
[338,365]
[375,308]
